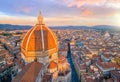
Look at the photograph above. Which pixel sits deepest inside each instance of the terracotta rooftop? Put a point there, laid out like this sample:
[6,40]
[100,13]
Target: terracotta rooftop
[105,65]
[39,38]
[107,55]
[3,51]
[46,78]
[52,65]
[4,67]
[29,73]
[87,78]
[116,74]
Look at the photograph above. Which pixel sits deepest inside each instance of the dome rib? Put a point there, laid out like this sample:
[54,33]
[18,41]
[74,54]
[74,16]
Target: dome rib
[25,38]
[29,37]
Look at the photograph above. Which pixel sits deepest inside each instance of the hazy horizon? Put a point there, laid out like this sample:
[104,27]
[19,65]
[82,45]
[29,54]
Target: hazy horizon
[58,25]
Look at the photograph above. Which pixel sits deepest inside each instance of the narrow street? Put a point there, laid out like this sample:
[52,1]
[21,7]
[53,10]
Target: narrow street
[74,76]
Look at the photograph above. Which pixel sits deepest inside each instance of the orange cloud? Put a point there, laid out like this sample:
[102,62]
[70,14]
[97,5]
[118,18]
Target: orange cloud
[86,12]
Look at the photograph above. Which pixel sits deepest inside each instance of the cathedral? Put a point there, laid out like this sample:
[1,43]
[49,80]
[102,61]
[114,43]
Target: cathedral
[40,48]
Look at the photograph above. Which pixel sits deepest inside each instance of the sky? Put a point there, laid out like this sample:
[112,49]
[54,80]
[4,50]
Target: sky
[61,12]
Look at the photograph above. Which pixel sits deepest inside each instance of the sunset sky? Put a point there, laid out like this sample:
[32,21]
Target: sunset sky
[61,12]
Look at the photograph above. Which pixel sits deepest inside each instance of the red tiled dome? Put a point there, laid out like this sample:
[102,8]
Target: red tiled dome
[39,38]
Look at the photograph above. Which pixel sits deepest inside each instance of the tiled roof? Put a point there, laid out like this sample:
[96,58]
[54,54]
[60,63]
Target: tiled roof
[105,65]
[29,73]
[52,65]
[33,39]
[116,73]
[2,52]
[107,55]
[46,78]
[5,67]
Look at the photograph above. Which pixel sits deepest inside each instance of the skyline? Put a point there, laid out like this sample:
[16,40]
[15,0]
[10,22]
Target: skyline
[61,12]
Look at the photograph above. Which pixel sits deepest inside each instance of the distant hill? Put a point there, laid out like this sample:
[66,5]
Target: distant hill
[103,27]
[18,27]
[13,27]
[70,27]
[97,27]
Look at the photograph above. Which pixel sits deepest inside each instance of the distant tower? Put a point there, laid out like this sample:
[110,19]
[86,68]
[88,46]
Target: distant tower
[107,34]
[72,42]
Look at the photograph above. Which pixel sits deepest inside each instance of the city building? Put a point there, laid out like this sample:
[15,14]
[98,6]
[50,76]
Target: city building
[115,74]
[106,57]
[105,67]
[7,72]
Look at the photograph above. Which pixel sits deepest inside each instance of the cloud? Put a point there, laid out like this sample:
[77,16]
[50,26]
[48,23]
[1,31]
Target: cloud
[79,3]
[86,12]
[102,11]
[24,9]
[94,8]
